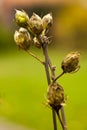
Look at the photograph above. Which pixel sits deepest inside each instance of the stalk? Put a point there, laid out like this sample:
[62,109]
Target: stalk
[45,51]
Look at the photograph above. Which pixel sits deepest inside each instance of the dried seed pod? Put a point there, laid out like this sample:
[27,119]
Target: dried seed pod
[35,24]
[36,42]
[55,96]
[21,18]
[70,63]
[22,38]
[47,21]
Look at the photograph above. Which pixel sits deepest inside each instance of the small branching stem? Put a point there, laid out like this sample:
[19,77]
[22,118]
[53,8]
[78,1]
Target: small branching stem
[33,55]
[59,76]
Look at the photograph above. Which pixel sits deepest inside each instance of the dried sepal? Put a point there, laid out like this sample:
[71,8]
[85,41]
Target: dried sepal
[44,39]
[22,38]
[36,42]
[70,62]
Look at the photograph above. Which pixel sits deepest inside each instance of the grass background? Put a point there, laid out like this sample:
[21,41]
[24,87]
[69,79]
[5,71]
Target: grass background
[23,89]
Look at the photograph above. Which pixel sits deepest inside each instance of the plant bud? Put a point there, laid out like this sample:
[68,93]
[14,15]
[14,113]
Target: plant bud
[36,42]
[70,63]
[22,38]
[35,24]
[55,96]
[47,21]
[21,18]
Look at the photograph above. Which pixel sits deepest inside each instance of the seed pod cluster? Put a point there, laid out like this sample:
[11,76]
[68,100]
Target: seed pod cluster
[55,96]
[36,26]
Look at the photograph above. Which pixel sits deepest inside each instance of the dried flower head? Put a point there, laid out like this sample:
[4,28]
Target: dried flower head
[21,18]
[55,96]
[36,42]
[47,21]
[35,24]
[22,38]
[70,63]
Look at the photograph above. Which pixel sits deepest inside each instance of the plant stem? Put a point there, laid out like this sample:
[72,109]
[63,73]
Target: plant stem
[58,76]
[33,55]
[60,119]
[45,51]
[63,118]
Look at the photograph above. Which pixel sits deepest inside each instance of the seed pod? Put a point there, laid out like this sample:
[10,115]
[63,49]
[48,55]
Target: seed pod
[21,18]
[47,21]
[70,63]
[55,96]
[36,42]
[22,38]
[35,24]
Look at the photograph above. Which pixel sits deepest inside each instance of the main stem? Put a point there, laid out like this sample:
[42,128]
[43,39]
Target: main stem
[45,51]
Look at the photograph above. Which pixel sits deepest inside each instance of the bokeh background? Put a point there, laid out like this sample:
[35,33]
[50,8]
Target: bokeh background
[23,84]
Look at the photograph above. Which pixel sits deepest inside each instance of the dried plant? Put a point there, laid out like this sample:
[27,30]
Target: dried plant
[34,31]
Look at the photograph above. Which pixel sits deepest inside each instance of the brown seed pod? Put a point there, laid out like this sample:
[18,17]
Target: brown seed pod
[22,38]
[70,63]
[35,24]
[47,21]
[55,96]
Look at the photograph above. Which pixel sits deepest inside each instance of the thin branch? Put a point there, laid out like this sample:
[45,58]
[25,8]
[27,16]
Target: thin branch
[58,76]
[52,68]
[33,55]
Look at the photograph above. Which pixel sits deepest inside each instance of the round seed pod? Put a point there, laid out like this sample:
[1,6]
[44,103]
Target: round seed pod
[22,38]
[55,96]
[21,18]
[70,62]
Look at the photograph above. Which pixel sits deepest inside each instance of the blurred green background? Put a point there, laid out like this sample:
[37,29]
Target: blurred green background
[23,83]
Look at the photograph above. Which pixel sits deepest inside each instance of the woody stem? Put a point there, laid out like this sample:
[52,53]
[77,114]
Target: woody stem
[45,51]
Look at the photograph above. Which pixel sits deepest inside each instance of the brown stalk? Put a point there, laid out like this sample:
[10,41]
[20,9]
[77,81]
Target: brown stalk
[45,51]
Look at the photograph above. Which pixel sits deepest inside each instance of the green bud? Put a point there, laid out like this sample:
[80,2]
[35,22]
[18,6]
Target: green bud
[21,18]
[70,63]
[47,21]
[35,24]
[22,38]
[55,96]
[36,42]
